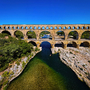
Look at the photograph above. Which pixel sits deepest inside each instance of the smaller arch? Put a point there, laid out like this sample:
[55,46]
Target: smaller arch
[9,27]
[35,28]
[5,27]
[33,43]
[47,27]
[78,27]
[85,44]
[0,27]
[69,27]
[43,27]
[83,27]
[30,27]
[39,27]
[17,27]
[21,27]
[64,27]
[55,27]
[87,27]
[60,27]
[26,27]
[13,27]
[74,27]
[51,27]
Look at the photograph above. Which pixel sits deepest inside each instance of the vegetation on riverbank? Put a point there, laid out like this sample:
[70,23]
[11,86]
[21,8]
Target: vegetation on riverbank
[11,49]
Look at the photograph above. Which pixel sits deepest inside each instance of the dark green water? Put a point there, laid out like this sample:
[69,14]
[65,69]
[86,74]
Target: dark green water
[45,72]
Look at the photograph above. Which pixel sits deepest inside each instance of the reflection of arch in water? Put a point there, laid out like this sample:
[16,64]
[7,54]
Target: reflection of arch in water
[85,44]
[6,32]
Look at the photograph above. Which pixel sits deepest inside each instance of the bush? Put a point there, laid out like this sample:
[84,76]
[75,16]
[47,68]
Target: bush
[17,62]
[5,74]
[23,64]
[5,82]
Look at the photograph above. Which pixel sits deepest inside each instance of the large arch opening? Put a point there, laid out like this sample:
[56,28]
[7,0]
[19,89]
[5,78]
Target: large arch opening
[45,35]
[6,33]
[85,44]
[33,43]
[59,45]
[85,35]
[31,34]
[73,35]
[19,34]
[45,44]
[60,35]
[72,44]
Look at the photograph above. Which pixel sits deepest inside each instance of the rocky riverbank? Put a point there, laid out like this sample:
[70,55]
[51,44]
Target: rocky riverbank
[78,60]
[16,69]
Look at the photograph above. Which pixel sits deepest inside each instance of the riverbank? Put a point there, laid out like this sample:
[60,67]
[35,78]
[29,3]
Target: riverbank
[16,69]
[78,60]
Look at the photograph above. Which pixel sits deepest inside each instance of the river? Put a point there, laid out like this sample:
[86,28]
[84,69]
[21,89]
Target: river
[46,72]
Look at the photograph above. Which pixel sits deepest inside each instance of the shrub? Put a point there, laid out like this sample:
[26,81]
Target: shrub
[5,82]
[5,74]
[71,53]
[23,64]
[17,62]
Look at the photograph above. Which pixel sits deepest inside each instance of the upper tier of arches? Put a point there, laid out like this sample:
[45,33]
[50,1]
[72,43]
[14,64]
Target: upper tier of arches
[42,27]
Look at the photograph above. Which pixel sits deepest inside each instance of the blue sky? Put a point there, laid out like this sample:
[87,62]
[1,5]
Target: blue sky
[44,12]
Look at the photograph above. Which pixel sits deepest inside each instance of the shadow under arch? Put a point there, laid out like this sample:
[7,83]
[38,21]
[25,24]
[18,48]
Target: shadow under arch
[85,44]
[31,34]
[73,35]
[85,35]
[33,43]
[7,33]
[72,44]
[59,45]
[45,35]
[60,35]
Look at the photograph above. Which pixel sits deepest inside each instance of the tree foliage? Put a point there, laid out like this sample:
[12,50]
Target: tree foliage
[11,49]
[31,34]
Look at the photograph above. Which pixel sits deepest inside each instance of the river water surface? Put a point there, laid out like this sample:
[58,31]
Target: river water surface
[46,72]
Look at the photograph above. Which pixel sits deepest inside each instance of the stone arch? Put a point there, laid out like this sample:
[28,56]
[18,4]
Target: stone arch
[0,27]
[47,27]
[33,43]
[39,27]
[83,27]
[45,45]
[69,27]
[31,34]
[85,35]
[61,44]
[73,35]
[51,27]
[60,35]
[85,44]
[72,44]
[6,32]
[18,34]
[45,34]
[9,27]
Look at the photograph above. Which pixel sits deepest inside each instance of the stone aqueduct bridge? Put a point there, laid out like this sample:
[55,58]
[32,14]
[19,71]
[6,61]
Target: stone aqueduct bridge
[66,28]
